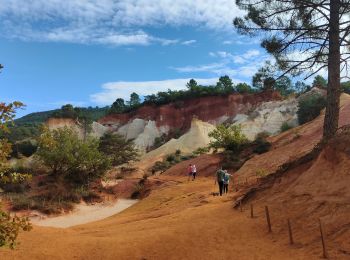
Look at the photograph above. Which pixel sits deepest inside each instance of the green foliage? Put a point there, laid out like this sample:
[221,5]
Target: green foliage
[244,88]
[118,106]
[346,87]
[228,137]
[201,150]
[310,107]
[67,156]
[320,82]
[159,141]
[118,149]
[28,127]
[284,86]
[24,148]
[285,127]
[135,100]
[10,227]
[264,78]
[261,145]
[223,87]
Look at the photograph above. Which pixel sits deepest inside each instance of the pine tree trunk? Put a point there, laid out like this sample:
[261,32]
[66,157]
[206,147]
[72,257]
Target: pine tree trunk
[333,91]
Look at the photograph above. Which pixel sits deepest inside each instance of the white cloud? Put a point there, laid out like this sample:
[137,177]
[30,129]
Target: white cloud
[122,89]
[114,22]
[243,65]
[190,42]
[200,68]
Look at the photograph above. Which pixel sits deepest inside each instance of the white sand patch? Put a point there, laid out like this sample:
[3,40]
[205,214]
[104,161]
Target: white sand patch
[85,214]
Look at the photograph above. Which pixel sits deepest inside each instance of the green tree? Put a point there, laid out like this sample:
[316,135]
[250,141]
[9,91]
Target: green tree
[301,87]
[192,85]
[118,106]
[320,82]
[225,84]
[67,156]
[118,149]
[243,88]
[9,226]
[263,79]
[314,29]
[68,111]
[309,107]
[284,86]
[134,100]
[228,137]
[346,87]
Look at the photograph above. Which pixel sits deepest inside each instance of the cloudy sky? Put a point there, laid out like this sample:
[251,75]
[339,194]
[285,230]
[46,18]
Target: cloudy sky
[89,52]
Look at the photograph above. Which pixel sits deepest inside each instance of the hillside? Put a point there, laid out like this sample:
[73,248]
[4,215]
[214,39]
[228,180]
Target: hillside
[28,125]
[182,220]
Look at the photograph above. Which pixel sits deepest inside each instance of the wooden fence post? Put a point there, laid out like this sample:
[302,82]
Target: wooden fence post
[291,240]
[325,254]
[268,219]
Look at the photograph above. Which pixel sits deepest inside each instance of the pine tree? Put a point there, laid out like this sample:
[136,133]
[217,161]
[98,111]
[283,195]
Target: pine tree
[304,36]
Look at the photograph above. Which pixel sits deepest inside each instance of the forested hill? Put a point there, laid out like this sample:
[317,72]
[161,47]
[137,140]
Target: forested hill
[28,126]
[93,113]
[35,118]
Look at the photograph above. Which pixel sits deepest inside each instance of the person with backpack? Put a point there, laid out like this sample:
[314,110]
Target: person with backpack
[194,172]
[220,179]
[226,181]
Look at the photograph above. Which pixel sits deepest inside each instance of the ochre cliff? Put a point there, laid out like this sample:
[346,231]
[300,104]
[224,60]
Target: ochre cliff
[178,115]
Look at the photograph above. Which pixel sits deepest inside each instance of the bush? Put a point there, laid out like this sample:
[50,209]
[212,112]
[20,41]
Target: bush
[310,107]
[261,144]
[26,148]
[118,149]
[228,137]
[285,127]
[69,157]
[201,150]
[170,158]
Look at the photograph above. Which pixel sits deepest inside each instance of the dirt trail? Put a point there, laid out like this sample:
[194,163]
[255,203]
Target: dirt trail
[83,214]
[181,221]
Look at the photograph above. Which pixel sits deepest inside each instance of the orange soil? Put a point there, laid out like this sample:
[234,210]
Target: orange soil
[181,221]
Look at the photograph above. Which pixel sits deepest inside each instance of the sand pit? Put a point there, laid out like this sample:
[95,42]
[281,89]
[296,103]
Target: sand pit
[85,214]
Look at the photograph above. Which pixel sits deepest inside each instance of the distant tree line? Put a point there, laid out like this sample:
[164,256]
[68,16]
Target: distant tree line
[263,80]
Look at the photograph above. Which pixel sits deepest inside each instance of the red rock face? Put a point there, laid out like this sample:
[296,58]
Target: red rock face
[178,115]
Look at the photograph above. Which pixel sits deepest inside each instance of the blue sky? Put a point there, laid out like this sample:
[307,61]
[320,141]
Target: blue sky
[90,52]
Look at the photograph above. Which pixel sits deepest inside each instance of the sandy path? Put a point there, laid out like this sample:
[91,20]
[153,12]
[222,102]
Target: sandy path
[85,214]
[176,222]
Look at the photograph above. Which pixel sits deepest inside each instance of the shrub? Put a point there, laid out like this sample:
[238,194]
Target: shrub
[170,158]
[26,148]
[310,107]
[285,127]
[228,137]
[178,152]
[261,144]
[118,149]
[69,157]
[201,150]
[137,191]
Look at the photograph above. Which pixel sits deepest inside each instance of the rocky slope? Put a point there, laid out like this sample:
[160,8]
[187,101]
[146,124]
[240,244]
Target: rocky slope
[149,122]
[97,130]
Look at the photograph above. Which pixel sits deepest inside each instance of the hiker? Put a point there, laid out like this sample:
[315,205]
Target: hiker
[189,172]
[226,181]
[220,179]
[194,172]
